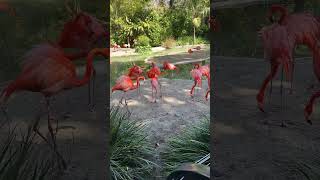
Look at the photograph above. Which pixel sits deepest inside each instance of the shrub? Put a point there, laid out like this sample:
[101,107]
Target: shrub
[143,41]
[201,40]
[189,146]
[169,43]
[185,40]
[130,148]
[143,44]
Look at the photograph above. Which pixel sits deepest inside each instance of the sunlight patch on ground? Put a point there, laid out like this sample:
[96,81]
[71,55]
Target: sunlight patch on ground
[173,100]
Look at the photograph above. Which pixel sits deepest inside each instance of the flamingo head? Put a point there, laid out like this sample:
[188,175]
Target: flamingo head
[83,31]
[135,70]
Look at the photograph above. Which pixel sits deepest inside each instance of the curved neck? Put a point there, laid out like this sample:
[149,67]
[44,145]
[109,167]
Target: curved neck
[89,66]
[138,83]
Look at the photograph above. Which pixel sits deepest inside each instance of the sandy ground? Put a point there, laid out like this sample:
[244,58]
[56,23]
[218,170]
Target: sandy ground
[88,153]
[244,147]
[170,114]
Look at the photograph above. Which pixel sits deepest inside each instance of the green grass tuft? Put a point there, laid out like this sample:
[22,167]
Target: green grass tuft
[130,147]
[189,146]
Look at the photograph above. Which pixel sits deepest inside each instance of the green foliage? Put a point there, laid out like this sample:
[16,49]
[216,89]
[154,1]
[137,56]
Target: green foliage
[196,22]
[143,45]
[189,146]
[188,40]
[169,43]
[130,147]
[21,159]
[143,41]
[157,21]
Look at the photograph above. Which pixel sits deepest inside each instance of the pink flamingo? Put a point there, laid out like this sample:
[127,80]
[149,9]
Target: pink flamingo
[170,66]
[280,39]
[134,72]
[125,84]
[196,74]
[155,72]
[154,86]
[5,7]
[82,32]
[48,71]
[205,70]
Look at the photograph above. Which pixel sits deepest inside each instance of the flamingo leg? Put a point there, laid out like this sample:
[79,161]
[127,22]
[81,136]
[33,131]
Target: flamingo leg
[125,99]
[67,113]
[192,89]
[160,88]
[309,107]
[59,156]
[53,138]
[93,90]
[208,91]
[291,88]
[152,92]
[155,97]
[260,95]
[270,90]
[282,97]
[120,102]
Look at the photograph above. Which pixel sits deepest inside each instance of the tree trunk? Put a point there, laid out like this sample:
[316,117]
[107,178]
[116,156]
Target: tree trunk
[299,5]
[171,3]
[128,40]
[194,35]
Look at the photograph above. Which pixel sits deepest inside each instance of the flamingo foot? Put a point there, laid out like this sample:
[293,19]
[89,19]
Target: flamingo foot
[260,102]
[260,106]
[307,112]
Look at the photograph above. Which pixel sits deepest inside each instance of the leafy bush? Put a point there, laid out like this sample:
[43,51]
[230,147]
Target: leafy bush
[169,43]
[130,148]
[185,40]
[189,146]
[200,40]
[188,40]
[143,41]
[143,45]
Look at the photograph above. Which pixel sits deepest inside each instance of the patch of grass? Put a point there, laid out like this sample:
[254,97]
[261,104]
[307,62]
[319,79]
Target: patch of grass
[117,69]
[21,159]
[189,146]
[130,147]
[120,65]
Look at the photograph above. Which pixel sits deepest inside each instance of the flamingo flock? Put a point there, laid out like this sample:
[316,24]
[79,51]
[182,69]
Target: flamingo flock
[280,39]
[126,83]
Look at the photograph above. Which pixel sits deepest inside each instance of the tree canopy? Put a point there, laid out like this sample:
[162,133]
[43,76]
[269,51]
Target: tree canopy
[157,19]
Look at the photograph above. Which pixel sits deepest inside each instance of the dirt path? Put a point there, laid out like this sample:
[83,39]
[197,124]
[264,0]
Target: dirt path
[171,114]
[246,148]
[88,152]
